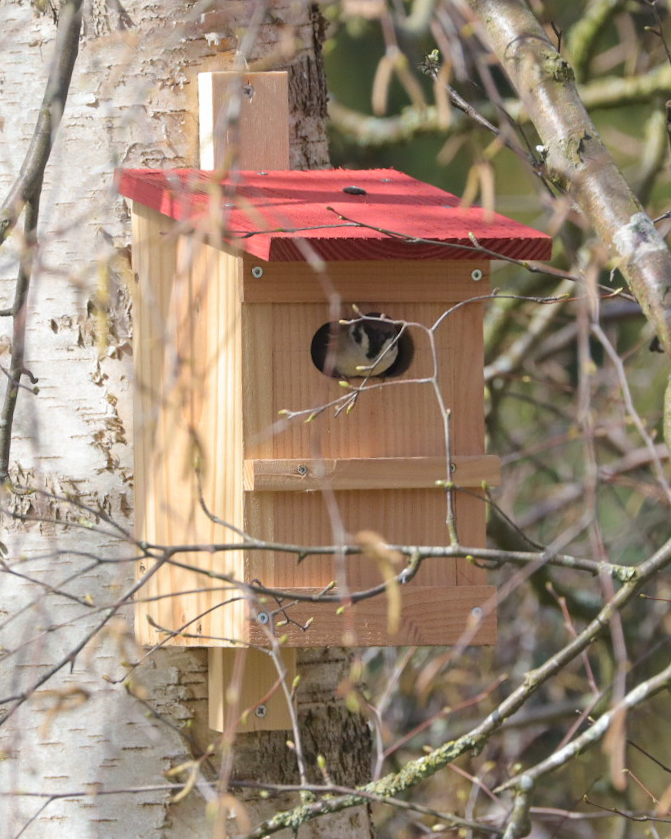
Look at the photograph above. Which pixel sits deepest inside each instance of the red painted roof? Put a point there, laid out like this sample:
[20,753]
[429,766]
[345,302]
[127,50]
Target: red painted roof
[272,215]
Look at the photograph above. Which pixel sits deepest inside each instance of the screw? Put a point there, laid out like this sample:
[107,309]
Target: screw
[302,469]
[261,711]
[263,618]
[476,275]
[476,613]
[453,467]
[257,272]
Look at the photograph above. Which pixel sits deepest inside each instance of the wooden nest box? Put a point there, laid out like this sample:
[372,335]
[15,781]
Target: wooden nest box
[242,287]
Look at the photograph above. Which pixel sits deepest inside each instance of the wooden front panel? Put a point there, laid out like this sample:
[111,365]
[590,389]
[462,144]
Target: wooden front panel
[395,418]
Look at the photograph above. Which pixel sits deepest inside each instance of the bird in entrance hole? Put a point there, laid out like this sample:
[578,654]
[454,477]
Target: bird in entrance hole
[368,346]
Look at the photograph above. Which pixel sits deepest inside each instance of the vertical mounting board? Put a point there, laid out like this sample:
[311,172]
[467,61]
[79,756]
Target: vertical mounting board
[244,121]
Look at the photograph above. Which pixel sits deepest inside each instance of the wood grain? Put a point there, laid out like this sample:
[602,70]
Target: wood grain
[255,678]
[400,281]
[258,139]
[472,530]
[258,136]
[429,616]
[399,417]
[188,428]
[405,517]
[305,475]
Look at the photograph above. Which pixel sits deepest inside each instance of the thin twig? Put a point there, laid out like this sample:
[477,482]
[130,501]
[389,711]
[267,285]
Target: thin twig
[29,181]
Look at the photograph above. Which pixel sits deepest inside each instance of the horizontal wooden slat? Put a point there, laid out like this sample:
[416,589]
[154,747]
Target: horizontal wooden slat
[361,473]
[431,616]
[391,281]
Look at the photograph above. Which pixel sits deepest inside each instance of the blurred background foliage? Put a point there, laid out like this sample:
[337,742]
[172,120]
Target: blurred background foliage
[577,471]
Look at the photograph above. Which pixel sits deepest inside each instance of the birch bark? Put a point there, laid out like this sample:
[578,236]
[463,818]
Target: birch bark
[132,103]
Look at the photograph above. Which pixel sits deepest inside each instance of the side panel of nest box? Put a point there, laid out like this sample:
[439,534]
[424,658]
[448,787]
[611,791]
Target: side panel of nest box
[188,441]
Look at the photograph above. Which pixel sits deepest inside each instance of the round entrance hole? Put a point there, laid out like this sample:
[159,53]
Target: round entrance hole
[371,346]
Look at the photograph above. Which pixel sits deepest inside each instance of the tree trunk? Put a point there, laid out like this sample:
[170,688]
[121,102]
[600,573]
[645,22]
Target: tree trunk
[70,726]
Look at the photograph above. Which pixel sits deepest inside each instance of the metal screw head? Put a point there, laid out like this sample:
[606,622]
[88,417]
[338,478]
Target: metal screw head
[476,275]
[263,618]
[257,272]
[302,469]
[261,711]
[453,467]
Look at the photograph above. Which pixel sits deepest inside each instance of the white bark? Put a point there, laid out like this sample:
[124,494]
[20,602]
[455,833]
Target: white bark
[132,103]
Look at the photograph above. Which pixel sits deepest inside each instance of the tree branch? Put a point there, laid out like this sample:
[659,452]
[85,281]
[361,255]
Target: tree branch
[19,313]
[29,180]
[576,159]
[418,770]
[611,92]
[26,193]
[646,690]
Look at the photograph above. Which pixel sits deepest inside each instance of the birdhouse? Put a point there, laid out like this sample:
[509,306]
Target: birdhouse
[309,377]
